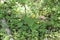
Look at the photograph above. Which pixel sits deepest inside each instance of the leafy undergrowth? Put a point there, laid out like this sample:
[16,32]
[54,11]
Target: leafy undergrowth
[30,19]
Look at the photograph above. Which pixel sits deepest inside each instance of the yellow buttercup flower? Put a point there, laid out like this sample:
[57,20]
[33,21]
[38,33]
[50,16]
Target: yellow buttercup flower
[32,15]
[17,10]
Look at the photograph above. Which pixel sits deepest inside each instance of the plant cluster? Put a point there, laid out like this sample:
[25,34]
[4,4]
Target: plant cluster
[30,19]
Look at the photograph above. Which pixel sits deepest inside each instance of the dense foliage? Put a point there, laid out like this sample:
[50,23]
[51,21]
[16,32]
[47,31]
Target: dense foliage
[30,19]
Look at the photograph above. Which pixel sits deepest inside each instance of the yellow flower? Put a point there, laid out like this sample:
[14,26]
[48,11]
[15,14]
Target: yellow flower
[32,15]
[17,10]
